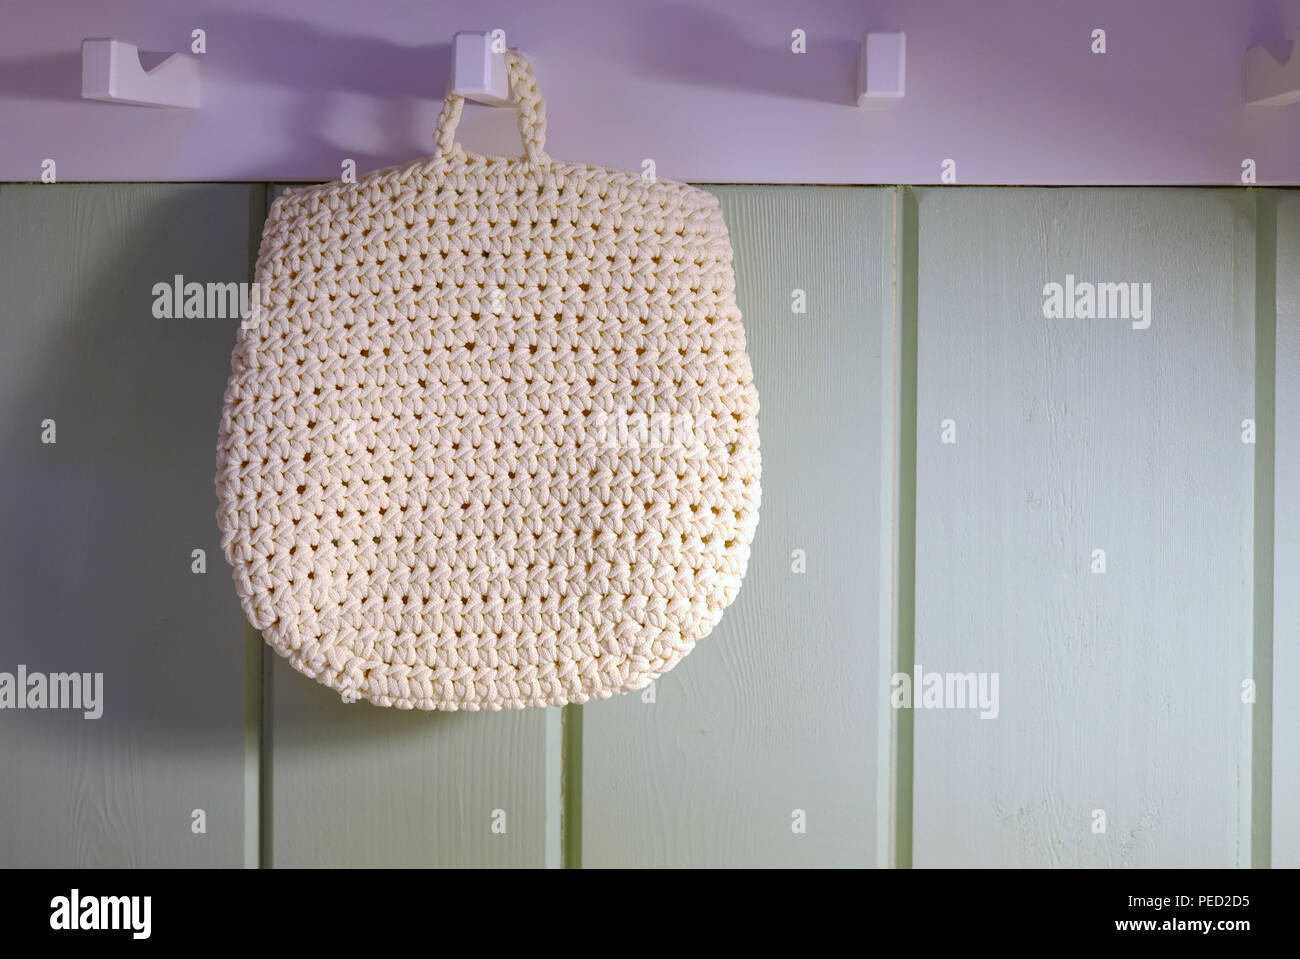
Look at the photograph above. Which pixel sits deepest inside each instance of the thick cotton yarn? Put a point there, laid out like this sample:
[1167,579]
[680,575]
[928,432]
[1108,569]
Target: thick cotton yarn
[490,440]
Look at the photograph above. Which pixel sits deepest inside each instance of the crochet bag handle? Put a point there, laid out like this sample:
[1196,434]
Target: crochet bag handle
[532,113]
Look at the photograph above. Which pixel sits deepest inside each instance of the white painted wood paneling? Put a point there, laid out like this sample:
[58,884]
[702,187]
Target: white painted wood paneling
[1286,545]
[1118,691]
[356,785]
[776,710]
[97,529]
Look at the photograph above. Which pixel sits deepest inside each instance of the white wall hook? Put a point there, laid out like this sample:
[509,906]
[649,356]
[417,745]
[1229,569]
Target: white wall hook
[1269,81]
[477,72]
[882,67]
[113,70]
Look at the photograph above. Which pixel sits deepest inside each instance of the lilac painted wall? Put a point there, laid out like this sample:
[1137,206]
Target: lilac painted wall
[709,89]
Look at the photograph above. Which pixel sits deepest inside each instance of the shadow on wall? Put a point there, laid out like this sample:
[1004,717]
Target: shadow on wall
[700,48]
[54,77]
[402,83]
[331,74]
[101,525]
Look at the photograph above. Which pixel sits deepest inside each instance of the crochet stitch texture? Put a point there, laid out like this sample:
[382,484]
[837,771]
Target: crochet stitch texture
[490,439]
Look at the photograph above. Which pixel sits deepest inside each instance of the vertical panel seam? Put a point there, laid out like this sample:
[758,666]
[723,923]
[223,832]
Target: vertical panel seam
[257,714]
[906,284]
[553,757]
[266,766]
[571,787]
[888,612]
[253,720]
[1261,792]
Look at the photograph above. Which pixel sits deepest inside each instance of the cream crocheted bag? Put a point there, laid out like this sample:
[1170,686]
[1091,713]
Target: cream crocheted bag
[491,438]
